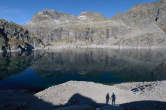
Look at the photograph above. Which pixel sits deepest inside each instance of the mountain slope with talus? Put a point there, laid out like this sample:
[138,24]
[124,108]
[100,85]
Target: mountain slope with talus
[13,35]
[142,26]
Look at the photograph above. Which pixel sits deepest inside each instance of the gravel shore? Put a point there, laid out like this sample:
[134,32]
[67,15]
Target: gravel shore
[79,95]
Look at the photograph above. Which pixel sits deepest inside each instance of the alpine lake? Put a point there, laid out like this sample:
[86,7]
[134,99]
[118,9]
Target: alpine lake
[44,68]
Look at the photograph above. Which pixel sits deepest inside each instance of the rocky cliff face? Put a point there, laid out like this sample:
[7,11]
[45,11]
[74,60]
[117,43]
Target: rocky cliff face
[143,26]
[13,35]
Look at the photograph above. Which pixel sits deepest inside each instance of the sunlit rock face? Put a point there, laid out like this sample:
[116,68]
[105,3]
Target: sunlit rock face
[142,26]
[13,35]
[91,16]
[52,15]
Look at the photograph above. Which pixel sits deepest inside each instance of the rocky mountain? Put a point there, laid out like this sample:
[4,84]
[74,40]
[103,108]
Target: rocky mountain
[142,26]
[91,16]
[14,36]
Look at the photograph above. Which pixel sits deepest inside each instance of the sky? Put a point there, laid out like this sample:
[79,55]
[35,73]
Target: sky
[21,11]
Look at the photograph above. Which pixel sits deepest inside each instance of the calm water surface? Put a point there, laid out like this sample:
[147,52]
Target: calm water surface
[43,69]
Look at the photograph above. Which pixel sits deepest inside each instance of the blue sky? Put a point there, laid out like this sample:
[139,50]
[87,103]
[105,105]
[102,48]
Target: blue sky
[21,11]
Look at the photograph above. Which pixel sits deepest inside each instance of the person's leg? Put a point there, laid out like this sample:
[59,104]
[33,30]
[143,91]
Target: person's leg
[113,102]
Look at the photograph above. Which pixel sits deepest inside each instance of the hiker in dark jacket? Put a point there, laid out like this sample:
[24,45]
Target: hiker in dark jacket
[107,98]
[113,99]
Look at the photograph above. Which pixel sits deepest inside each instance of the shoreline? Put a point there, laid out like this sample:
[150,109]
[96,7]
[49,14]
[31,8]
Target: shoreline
[100,46]
[116,84]
[90,47]
[125,92]
[87,93]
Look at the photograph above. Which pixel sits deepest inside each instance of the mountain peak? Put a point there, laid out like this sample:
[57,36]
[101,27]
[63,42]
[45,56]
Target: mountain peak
[142,26]
[55,15]
[50,15]
[94,16]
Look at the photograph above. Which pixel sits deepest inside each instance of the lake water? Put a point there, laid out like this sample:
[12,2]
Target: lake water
[43,69]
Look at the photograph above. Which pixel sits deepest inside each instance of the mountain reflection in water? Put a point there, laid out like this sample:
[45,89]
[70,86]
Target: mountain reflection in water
[42,69]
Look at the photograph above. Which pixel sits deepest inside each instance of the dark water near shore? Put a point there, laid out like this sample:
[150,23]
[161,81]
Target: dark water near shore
[43,69]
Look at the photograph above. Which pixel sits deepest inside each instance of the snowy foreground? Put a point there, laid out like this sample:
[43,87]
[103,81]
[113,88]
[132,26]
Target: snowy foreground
[75,95]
